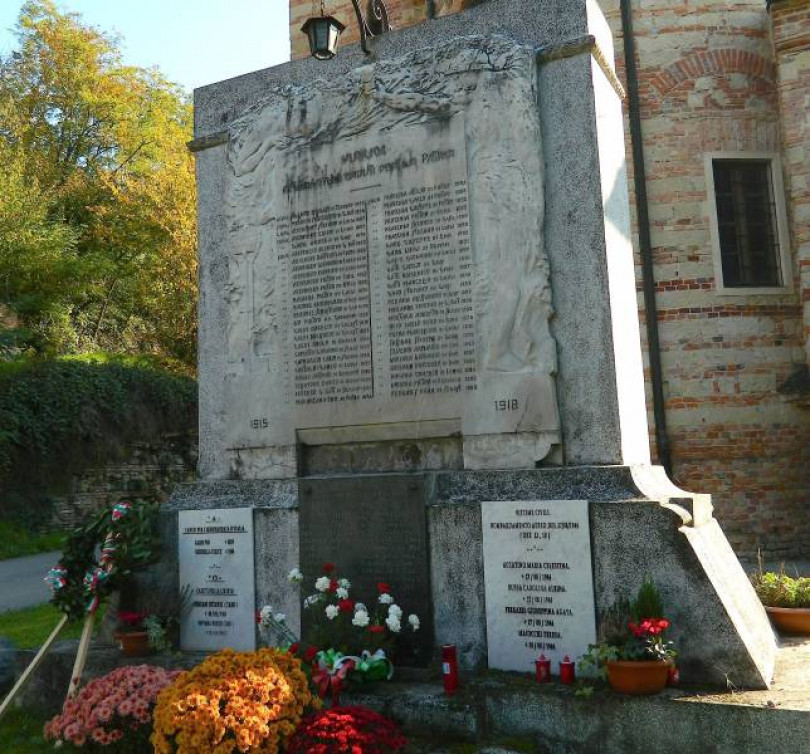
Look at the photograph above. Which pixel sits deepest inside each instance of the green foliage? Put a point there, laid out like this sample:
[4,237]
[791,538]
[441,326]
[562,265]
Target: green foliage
[97,195]
[648,603]
[133,541]
[781,590]
[21,732]
[58,417]
[28,628]
[593,664]
[17,541]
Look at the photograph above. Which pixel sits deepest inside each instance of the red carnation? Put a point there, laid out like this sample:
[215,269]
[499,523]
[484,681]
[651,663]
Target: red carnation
[383,588]
[333,585]
[310,653]
[375,629]
[346,606]
[258,616]
[328,568]
[293,648]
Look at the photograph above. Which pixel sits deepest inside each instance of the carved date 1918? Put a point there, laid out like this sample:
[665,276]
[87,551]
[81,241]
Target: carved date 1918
[506,404]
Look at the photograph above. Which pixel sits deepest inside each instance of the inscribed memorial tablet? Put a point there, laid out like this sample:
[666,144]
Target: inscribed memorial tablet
[538,580]
[216,564]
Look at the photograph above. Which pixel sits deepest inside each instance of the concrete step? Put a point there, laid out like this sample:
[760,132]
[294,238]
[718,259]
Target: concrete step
[491,711]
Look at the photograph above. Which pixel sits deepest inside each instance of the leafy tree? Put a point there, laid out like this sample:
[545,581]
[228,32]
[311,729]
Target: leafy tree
[97,226]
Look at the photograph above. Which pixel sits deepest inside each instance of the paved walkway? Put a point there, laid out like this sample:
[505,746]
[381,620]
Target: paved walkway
[21,580]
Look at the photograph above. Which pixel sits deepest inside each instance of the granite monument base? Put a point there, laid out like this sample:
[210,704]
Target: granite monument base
[640,525]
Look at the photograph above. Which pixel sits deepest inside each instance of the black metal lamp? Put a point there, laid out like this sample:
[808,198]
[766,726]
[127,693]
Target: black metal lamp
[323,31]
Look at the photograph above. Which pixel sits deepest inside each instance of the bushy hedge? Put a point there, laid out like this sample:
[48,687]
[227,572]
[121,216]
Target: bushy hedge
[59,417]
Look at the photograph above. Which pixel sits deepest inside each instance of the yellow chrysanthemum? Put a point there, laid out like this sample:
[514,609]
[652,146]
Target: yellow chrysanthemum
[246,702]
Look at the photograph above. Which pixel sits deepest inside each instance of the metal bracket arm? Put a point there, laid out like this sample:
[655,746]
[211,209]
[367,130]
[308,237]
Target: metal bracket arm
[379,23]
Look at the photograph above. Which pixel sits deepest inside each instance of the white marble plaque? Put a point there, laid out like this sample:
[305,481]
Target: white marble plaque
[539,582]
[216,564]
[387,277]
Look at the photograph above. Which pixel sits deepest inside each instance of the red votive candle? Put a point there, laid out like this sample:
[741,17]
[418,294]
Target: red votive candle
[567,670]
[449,668]
[673,676]
[542,669]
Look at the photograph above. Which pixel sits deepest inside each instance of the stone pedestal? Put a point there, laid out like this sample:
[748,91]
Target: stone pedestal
[640,526]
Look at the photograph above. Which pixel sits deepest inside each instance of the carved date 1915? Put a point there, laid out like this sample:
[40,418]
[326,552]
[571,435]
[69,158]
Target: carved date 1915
[506,404]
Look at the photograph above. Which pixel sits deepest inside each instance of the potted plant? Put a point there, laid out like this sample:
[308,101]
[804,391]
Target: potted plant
[132,636]
[786,600]
[634,655]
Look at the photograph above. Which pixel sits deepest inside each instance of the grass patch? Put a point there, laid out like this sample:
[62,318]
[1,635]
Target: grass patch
[28,628]
[21,732]
[16,541]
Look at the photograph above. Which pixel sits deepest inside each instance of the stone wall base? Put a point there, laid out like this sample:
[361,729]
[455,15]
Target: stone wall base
[641,526]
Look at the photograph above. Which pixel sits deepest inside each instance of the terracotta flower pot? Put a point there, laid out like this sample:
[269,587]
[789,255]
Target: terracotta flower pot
[790,620]
[638,676]
[133,643]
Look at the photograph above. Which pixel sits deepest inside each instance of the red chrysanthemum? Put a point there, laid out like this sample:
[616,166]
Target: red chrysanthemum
[346,730]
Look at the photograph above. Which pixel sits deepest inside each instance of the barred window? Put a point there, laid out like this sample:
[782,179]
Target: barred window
[747,223]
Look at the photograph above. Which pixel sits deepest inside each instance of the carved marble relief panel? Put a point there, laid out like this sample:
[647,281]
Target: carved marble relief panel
[386,259]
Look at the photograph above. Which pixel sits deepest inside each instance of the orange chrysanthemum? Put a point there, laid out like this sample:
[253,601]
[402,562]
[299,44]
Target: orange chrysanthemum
[233,702]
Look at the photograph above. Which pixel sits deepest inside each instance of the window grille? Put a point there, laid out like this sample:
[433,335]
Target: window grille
[746,223]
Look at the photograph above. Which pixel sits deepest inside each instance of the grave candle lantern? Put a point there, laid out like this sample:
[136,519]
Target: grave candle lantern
[567,670]
[542,672]
[449,668]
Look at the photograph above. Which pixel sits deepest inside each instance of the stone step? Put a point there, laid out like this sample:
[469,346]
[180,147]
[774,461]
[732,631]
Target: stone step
[551,718]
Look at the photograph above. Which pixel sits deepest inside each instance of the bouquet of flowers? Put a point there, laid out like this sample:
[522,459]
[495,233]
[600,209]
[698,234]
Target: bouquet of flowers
[233,701]
[347,639]
[113,710]
[345,731]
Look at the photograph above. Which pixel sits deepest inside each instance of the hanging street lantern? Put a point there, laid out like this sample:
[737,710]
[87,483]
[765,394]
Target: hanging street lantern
[323,31]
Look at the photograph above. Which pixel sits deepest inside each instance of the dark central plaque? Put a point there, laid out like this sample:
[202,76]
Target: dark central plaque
[373,529]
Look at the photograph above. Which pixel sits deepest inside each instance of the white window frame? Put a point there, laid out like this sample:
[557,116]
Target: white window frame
[786,273]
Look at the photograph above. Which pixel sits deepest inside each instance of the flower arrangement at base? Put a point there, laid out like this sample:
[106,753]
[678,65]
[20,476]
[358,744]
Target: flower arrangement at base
[347,640]
[131,634]
[113,712]
[785,599]
[346,730]
[233,702]
[633,654]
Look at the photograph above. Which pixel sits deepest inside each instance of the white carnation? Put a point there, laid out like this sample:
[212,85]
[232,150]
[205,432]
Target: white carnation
[414,621]
[395,610]
[295,576]
[331,611]
[322,584]
[386,599]
[313,599]
[343,594]
[360,619]
[344,583]
[280,617]
[265,613]
[359,607]
[393,623]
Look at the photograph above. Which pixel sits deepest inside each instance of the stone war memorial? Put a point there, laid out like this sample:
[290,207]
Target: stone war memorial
[420,357]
